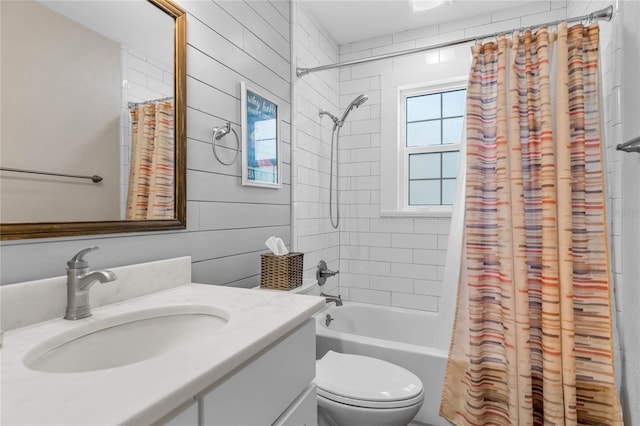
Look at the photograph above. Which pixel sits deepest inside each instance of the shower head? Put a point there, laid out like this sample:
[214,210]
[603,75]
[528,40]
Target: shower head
[354,104]
[331,116]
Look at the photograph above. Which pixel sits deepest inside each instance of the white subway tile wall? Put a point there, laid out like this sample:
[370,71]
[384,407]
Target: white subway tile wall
[313,232]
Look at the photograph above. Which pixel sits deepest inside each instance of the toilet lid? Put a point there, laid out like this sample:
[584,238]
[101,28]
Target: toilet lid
[350,378]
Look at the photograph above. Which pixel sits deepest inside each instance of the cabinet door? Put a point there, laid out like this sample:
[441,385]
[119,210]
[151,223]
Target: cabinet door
[262,390]
[303,411]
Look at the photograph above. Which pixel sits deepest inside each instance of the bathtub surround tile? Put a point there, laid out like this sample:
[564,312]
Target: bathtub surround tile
[311,145]
[331,288]
[443,241]
[355,87]
[463,24]
[411,44]
[553,15]
[427,287]
[354,280]
[344,292]
[357,252]
[391,255]
[371,43]
[418,241]
[516,12]
[429,257]
[372,239]
[356,169]
[375,297]
[401,285]
[369,267]
[349,224]
[414,301]
[364,183]
[408,270]
[393,225]
[357,155]
[432,226]
[506,26]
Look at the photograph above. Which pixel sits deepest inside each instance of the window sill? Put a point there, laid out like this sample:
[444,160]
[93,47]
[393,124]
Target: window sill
[442,212]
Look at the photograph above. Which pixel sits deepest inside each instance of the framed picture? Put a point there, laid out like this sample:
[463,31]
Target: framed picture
[260,138]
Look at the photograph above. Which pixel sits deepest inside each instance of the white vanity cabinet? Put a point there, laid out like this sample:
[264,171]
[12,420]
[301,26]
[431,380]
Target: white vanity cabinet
[267,385]
[272,388]
[183,416]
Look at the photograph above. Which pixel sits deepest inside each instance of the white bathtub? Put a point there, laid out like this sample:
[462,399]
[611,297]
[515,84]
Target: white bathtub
[401,336]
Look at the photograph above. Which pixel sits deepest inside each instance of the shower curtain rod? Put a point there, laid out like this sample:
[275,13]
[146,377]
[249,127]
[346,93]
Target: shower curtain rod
[134,104]
[630,146]
[602,14]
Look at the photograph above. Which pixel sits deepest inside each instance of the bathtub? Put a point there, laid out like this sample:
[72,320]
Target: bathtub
[403,337]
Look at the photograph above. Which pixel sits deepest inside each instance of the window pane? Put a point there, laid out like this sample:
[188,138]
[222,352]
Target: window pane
[423,107]
[424,192]
[453,103]
[448,191]
[450,164]
[452,130]
[424,166]
[423,133]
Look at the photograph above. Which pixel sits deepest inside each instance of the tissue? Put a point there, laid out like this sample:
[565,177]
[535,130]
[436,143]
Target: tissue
[276,245]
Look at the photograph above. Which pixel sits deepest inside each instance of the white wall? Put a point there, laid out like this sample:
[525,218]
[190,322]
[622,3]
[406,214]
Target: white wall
[399,261]
[313,232]
[60,109]
[227,224]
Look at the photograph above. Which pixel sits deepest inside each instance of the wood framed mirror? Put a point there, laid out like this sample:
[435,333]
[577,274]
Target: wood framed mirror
[81,71]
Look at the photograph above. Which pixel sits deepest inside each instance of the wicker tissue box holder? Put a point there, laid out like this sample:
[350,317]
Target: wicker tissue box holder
[281,272]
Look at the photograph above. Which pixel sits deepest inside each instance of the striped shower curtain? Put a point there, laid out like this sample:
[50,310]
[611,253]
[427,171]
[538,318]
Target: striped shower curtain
[532,339]
[151,174]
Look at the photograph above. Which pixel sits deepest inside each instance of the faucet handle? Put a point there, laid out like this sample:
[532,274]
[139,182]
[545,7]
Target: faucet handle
[78,262]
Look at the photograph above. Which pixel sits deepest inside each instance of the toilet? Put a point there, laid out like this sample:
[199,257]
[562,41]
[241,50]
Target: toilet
[360,390]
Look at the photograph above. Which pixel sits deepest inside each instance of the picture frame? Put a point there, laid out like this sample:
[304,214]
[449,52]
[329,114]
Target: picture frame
[260,116]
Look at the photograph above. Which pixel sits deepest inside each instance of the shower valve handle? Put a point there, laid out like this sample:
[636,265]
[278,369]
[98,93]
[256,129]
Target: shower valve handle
[323,272]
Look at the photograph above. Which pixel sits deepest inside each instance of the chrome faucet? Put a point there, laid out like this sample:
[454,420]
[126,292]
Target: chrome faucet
[322,273]
[330,298]
[79,280]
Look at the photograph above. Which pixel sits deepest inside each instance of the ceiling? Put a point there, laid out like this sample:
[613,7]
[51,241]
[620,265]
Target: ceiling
[348,21]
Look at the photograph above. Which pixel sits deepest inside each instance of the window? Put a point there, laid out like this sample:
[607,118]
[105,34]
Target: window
[431,122]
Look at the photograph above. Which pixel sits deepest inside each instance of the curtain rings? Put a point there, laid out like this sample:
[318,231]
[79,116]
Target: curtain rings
[219,133]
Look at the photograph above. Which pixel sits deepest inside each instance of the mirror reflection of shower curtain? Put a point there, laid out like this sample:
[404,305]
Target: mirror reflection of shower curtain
[151,175]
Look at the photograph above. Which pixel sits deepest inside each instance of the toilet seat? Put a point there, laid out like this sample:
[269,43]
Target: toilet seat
[371,404]
[366,382]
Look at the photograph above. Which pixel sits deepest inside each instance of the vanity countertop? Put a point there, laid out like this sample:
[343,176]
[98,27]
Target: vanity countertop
[145,392]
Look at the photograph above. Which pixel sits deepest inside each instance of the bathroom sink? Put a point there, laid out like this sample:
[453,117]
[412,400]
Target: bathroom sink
[125,339]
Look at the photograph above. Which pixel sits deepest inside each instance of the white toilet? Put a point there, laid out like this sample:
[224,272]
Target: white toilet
[359,390]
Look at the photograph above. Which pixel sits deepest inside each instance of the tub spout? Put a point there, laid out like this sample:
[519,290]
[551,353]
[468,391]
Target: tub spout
[330,298]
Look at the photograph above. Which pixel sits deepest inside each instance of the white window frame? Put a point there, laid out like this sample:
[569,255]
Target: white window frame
[404,151]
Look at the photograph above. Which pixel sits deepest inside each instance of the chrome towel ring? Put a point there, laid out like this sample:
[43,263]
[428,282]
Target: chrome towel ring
[219,133]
